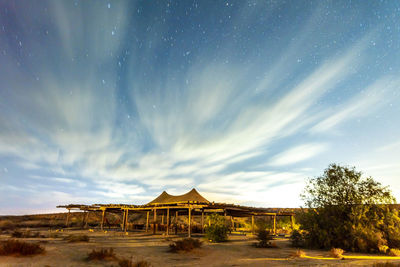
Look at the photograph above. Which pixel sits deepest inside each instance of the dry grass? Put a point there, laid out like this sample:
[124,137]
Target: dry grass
[102,255]
[394,252]
[337,253]
[77,238]
[7,225]
[386,264]
[131,263]
[298,254]
[186,244]
[15,247]
[26,234]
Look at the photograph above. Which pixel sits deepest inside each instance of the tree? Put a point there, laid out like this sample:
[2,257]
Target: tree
[217,231]
[349,211]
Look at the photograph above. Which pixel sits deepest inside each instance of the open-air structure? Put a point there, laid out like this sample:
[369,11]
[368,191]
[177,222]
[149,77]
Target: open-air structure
[171,207]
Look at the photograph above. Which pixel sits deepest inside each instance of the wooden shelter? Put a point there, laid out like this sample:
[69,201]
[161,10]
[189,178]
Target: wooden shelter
[170,207]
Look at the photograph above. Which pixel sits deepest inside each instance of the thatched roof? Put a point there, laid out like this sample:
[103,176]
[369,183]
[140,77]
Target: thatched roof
[191,196]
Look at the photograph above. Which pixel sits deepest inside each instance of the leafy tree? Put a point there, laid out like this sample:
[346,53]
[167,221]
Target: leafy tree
[349,211]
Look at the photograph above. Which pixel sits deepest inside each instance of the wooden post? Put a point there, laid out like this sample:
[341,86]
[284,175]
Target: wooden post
[275,224]
[123,220]
[102,218]
[87,219]
[147,221]
[154,221]
[292,221]
[202,221]
[67,221]
[252,224]
[176,222]
[190,223]
[233,223]
[167,221]
[162,218]
[126,220]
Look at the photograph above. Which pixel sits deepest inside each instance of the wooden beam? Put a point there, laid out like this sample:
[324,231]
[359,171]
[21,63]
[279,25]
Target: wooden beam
[154,221]
[123,220]
[147,221]
[252,224]
[190,223]
[102,218]
[67,220]
[176,222]
[126,220]
[202,221]
[275,224]
[292,221]
[167,222]
[87,219]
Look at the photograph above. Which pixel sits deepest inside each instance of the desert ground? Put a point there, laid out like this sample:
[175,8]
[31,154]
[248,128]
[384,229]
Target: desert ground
[238,251]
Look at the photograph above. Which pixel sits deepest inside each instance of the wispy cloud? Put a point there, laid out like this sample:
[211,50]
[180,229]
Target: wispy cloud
[109,107]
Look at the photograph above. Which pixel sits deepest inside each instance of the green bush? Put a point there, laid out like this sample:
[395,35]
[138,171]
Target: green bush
[297,239]
[348,211]
[217,231]
[264,238]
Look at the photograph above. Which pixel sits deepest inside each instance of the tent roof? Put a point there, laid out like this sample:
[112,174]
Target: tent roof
[191,196]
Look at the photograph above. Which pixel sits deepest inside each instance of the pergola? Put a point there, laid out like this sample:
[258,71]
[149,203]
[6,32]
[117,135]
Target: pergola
[189,204]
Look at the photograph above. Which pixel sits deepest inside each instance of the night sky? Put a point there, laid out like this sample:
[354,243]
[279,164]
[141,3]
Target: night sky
[116,101]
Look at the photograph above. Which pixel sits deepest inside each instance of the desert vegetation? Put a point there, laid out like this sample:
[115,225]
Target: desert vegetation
[21,248]
[186,244]
[216,231]
[347,211]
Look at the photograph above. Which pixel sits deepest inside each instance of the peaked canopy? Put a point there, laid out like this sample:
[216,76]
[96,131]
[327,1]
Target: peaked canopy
[191,196]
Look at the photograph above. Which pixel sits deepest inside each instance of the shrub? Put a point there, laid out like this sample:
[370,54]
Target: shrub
[297,239]
[394,252]
[77,238]
[186,244]
[349,211]
[131,263]
[25,234]
[217,231]
[264,238]
[15,247]
[298,254]
[337,253]
[383,249]
[103,255]
[386,264]
[7,225]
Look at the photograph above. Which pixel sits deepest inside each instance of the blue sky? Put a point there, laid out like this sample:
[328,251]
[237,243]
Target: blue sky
[114,102]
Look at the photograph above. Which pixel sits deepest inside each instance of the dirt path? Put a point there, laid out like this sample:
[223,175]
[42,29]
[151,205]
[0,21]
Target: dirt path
[154,249]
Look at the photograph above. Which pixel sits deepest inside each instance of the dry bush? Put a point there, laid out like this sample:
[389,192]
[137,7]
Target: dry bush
[337,253]
[77,238]
[15,247]
[383,249]
[7,225]
[102,255]
[26,234]
[386,264]
[186,244]
[131,263]
[394,252]
[53,235]
[298,254]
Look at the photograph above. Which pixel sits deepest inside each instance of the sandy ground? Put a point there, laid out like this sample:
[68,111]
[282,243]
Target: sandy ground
[154,249]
